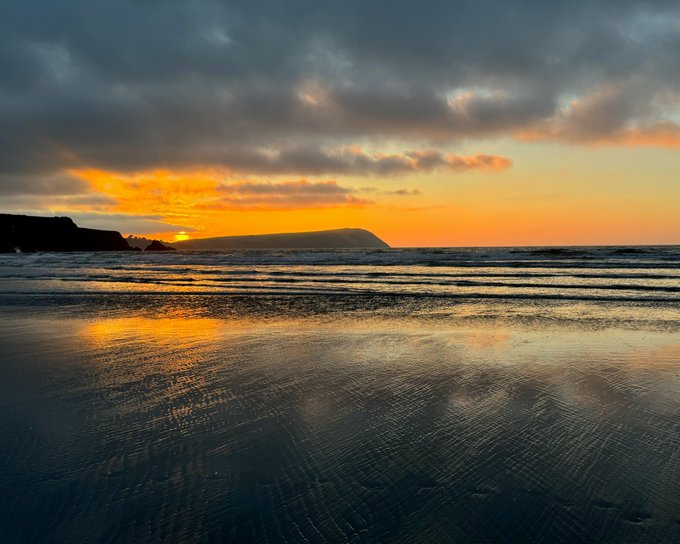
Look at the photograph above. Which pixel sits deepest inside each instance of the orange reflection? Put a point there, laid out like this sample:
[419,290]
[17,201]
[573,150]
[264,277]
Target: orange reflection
[487,340]
[178,330]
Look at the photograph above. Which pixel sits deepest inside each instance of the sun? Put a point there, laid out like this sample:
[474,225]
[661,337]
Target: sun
[180,236]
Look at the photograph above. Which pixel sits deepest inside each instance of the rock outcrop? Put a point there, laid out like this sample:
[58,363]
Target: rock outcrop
[138,242]
[27,233]
[325,239]
[157,245]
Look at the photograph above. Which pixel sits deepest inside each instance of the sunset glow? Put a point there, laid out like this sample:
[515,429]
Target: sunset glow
[567,136]
[548,196]
[354,271]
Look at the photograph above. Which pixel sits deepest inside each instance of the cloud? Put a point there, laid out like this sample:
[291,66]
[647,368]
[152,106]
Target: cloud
[603,117]
[181,194]
[297,194]
[125,223]
[403,192]
[480,161]
[41,185]
[353,160]
[40,204]
[285,188]
[197,84]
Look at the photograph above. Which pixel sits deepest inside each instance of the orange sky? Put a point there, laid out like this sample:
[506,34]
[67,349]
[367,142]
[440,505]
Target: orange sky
[554,194]
[455,123]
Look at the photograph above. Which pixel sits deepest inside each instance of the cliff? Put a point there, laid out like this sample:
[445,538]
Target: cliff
[325,239]
[28,234]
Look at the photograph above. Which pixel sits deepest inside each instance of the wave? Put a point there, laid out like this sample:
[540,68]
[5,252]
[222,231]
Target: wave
[644,274]
[264,292]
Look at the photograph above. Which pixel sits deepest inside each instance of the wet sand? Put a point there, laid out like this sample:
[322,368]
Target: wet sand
[121,427]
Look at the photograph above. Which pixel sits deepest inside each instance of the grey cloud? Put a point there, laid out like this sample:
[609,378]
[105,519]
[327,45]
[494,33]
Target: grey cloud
[278,202]
[286,187]
[390,192]
[352,161]
[131,85]
[605,111]
[13,184]
[283,195]
[33,202]
[403,192]
[40,205]
[125,223]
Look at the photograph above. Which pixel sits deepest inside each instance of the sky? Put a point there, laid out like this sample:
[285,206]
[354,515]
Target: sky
[436,123]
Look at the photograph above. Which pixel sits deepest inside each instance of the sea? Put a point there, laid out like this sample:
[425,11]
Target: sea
[514,394]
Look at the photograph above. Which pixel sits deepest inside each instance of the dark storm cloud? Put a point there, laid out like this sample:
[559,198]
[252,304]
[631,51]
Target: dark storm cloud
[131,85]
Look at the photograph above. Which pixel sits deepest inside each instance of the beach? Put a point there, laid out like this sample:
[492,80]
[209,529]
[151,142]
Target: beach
[505,395]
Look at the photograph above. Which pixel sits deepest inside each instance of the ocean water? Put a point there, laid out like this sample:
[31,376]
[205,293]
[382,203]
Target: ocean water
[578,273]
[418,395]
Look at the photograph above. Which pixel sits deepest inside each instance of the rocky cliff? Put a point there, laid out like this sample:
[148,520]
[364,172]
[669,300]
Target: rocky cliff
[28,234]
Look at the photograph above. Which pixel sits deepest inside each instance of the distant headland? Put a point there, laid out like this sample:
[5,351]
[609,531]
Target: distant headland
[324,239]
[24,233]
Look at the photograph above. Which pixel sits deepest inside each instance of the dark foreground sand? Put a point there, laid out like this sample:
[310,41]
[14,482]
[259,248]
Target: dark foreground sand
[120,427]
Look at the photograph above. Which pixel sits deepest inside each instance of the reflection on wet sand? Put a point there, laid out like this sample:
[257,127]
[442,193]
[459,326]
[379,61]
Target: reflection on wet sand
[177,329]
[194,429]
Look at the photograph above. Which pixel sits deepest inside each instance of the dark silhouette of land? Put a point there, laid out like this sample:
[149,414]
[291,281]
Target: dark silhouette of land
[24,233]
[29,234]
[138,241]
[331,239]
[157,245]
